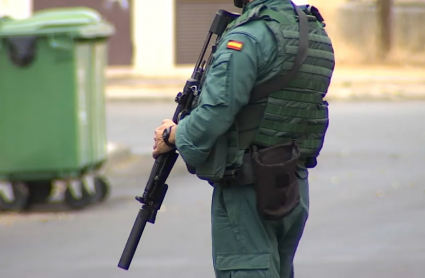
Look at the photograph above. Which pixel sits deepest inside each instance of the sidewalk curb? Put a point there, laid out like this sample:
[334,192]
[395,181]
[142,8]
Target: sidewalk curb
[354,93]
[366,83]
[117,153]
[346,86]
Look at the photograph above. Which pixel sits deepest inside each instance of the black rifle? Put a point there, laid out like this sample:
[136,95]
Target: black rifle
[156,188]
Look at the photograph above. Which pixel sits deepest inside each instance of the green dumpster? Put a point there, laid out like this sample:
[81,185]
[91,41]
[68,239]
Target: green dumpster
[52,112]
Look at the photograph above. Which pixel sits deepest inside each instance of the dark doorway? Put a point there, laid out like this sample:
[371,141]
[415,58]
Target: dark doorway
[193,20]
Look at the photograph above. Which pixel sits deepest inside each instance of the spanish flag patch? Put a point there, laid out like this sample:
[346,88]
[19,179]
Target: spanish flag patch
[235,45]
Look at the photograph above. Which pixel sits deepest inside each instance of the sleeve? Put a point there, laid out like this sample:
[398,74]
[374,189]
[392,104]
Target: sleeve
[226,90]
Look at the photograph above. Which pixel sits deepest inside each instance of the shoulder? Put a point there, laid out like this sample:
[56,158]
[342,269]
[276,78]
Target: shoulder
[256,38]
[255,31]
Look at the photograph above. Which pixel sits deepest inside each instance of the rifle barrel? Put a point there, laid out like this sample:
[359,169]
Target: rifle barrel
[133,239]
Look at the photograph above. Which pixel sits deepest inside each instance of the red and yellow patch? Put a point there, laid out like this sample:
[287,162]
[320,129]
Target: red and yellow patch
[235,45]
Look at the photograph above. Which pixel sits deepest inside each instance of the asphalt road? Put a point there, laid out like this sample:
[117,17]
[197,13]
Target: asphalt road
[366,219]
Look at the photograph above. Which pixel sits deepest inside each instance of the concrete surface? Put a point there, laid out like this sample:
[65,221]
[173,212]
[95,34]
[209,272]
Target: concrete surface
[367,206]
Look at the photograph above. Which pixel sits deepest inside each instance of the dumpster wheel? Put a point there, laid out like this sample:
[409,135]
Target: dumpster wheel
[76,195]
[102,188]
[39,191]
[17,199]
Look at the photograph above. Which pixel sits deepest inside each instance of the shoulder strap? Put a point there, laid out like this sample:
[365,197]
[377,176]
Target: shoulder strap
[282,81]
[281,18]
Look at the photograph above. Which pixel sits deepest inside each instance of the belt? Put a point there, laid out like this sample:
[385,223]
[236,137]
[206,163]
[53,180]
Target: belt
[243,175]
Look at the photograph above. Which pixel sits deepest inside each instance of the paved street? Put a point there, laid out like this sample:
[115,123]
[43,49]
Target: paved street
[366,219]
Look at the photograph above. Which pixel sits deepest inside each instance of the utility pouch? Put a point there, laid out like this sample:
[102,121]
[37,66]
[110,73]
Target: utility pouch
[276,183]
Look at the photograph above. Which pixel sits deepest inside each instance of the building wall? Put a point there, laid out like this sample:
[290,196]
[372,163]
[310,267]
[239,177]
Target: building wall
[154,39]
[352,26]
[16,8]
[357,34]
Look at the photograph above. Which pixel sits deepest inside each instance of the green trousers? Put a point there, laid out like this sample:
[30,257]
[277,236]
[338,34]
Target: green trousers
[246,246]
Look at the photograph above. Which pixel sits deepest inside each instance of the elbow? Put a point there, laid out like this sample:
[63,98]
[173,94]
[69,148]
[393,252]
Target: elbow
[192,156]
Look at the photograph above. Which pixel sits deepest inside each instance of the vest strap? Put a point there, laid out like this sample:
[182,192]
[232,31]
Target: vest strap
[296,112]
[297,96]
[274,15]
[293,128]
[312,144]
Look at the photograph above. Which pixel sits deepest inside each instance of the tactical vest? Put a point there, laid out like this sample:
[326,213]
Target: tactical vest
[297,112]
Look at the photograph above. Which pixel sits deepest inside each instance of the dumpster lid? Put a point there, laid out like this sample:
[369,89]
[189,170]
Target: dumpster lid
[78,22]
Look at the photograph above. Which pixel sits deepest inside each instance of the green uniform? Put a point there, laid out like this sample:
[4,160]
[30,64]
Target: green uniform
[253,51]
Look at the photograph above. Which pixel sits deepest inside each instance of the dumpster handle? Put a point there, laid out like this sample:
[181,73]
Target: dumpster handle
[61,44]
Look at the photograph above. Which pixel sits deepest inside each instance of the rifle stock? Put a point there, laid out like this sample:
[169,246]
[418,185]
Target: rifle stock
[156,188]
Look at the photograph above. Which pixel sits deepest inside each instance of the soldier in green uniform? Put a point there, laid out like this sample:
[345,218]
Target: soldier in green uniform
[258,46]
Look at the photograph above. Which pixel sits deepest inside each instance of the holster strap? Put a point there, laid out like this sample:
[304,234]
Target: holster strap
[243,175]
